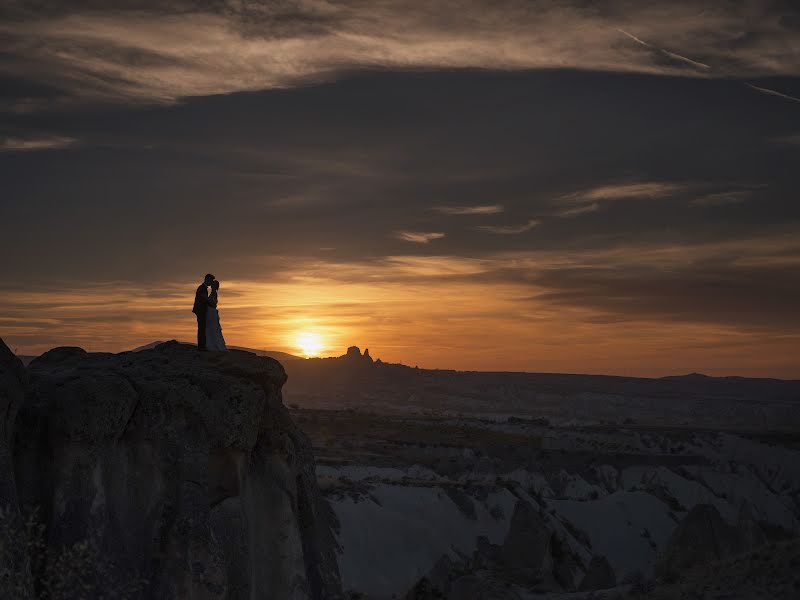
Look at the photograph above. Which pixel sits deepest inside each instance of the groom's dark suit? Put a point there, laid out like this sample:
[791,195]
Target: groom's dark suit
[199,309]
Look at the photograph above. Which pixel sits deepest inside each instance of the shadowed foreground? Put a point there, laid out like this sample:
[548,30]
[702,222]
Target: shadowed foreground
[182,468]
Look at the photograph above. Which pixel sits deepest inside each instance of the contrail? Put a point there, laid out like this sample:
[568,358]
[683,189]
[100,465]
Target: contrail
[634,38]
[764,90]
[664,52]
[683,58]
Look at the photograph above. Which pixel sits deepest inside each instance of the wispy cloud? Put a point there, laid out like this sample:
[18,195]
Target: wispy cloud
[793,140]
[509,229]
[591,199]
[579,210]
[483,209]
[161,53]
[625,191]
[418,237]
[723,198]
[29,144]
[435,266]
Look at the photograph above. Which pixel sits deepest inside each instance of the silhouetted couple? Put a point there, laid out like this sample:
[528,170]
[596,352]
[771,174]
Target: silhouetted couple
[209,330]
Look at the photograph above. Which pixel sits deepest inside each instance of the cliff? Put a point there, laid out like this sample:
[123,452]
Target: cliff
[183,468]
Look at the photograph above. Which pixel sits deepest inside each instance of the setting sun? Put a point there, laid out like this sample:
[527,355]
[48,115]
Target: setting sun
[309,342]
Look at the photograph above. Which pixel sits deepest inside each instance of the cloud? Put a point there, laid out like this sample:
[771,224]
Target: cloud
[579,210]
[435,266]
[162,52]
[724,293]
[418,237]
[723,282]
[591,199]
[793,140]
[723,198]
[29,144]
[485,209]
[625,191]
[651,307]
[509,229]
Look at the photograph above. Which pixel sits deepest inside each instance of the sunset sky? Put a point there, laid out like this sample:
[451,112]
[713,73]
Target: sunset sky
[568,186]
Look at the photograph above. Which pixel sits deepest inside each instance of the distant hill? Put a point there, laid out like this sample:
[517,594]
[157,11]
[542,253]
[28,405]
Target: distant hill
[359,382]
[279,356]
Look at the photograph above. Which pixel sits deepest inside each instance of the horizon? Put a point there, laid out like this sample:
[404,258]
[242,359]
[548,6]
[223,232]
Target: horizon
[377,358]
[530,187]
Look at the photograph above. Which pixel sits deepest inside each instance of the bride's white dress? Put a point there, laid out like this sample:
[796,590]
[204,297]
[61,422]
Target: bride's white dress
[214,339]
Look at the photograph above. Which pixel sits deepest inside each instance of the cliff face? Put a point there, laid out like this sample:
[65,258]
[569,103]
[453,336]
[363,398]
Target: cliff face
[12,396]
[184,467]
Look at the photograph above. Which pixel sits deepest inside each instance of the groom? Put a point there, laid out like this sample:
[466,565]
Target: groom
[199,309]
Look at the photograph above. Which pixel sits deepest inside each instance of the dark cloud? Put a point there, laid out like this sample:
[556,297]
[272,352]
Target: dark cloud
[721,294]
[346,164]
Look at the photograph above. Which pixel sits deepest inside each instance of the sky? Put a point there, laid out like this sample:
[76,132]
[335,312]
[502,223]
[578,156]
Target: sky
[539,185]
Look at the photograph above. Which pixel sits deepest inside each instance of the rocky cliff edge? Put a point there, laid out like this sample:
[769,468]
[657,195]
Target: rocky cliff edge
[183,467]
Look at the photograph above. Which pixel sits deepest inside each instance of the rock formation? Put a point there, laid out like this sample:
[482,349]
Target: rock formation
[599,575]
[701,537]
[533,557]
[354,354]
[185,468]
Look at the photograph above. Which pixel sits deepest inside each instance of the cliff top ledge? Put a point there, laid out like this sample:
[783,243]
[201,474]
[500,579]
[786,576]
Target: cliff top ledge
[95,394]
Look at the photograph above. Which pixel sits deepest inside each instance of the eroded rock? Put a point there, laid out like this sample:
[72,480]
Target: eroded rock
[185,466]
[701,537]
[599,575]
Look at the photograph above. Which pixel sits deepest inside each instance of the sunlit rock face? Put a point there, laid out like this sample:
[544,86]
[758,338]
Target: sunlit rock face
[184,466]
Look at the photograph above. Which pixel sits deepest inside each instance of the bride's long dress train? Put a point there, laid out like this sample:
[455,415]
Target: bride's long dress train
[214,340]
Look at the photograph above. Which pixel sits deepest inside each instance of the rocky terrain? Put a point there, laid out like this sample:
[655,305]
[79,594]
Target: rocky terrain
[506,498]
[695,401]
[183,470]
[187,470]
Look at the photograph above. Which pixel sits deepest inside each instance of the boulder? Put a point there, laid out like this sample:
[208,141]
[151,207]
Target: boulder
[184,467]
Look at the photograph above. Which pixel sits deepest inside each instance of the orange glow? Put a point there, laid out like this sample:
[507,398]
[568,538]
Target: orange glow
[309,342]
[431,311]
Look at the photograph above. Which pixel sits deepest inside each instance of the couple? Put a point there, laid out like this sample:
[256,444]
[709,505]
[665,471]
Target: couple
[209,331]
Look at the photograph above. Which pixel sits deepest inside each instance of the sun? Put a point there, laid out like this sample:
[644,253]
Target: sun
[309,342]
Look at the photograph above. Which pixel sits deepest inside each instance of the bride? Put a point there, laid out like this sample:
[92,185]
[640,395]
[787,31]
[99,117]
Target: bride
[214,339]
